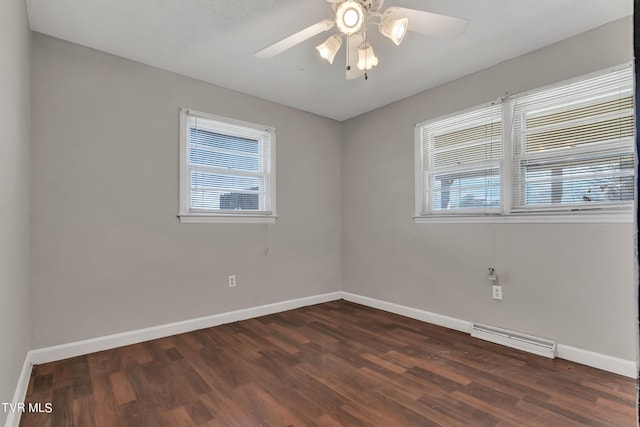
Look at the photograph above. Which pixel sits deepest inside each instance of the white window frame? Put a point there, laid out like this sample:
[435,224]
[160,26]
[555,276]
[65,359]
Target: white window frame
[616,213]
[267,136]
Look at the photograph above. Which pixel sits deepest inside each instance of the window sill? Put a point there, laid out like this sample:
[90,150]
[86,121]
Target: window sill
[625,217]
[228,219]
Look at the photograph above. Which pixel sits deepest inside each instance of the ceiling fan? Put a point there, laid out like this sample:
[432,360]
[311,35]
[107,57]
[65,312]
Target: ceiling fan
[352,17]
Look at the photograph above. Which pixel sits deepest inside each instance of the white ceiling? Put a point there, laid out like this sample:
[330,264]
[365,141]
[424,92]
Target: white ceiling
[214,41]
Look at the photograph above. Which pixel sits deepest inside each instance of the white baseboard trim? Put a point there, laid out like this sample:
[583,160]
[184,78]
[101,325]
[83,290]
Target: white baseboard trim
[616,365]
[414,313]
[65,351]
[13,418]
[627,368]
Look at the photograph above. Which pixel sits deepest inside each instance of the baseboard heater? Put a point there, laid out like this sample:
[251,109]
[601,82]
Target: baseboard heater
[535,345]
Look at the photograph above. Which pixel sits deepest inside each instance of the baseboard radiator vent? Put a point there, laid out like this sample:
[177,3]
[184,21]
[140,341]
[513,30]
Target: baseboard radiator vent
[528,343]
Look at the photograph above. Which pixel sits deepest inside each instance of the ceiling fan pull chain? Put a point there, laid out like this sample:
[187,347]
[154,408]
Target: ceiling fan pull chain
[366,76]
[348,58]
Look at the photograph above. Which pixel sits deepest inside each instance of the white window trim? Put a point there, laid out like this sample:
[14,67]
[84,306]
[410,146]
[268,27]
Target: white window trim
[187,216]
[507,215]
[622,217]
[220,218]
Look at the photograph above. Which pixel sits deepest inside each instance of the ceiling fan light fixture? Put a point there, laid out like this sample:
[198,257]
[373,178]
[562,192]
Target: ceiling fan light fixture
[394,29]
[350,17]
[366,58]
[330,47]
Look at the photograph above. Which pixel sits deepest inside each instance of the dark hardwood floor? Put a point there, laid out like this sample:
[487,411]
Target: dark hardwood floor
[333,364]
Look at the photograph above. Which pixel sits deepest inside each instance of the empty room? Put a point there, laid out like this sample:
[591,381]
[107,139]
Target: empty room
[318,213]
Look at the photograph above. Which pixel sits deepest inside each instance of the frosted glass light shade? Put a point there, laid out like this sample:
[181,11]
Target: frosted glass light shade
[330,47]
[366,58]
[350,17]
[394,29]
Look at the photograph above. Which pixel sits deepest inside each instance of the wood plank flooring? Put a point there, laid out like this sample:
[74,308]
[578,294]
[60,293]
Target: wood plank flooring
[333,364]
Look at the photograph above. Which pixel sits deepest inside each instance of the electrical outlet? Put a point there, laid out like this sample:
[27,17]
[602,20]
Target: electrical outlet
[497,292]
[232,281]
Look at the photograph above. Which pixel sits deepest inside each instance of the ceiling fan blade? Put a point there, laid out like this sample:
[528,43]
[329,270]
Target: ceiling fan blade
[295,39]
[353,43]
[430,24]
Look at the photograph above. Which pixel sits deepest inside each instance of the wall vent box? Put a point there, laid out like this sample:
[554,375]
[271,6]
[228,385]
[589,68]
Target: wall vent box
[528,343]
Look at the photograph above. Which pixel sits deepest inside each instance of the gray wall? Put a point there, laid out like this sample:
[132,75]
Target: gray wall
[14,193]
[573,283]
[109,254]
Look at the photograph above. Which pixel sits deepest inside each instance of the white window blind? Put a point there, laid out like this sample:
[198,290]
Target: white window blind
[564,153]
[461,162]
[573,145]
[227,166]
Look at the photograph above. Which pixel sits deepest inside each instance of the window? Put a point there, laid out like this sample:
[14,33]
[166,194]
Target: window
[573,145]
[461,162]
[564,152]
[226,170]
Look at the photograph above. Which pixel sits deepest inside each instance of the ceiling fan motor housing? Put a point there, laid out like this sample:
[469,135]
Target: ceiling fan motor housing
[372,5]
